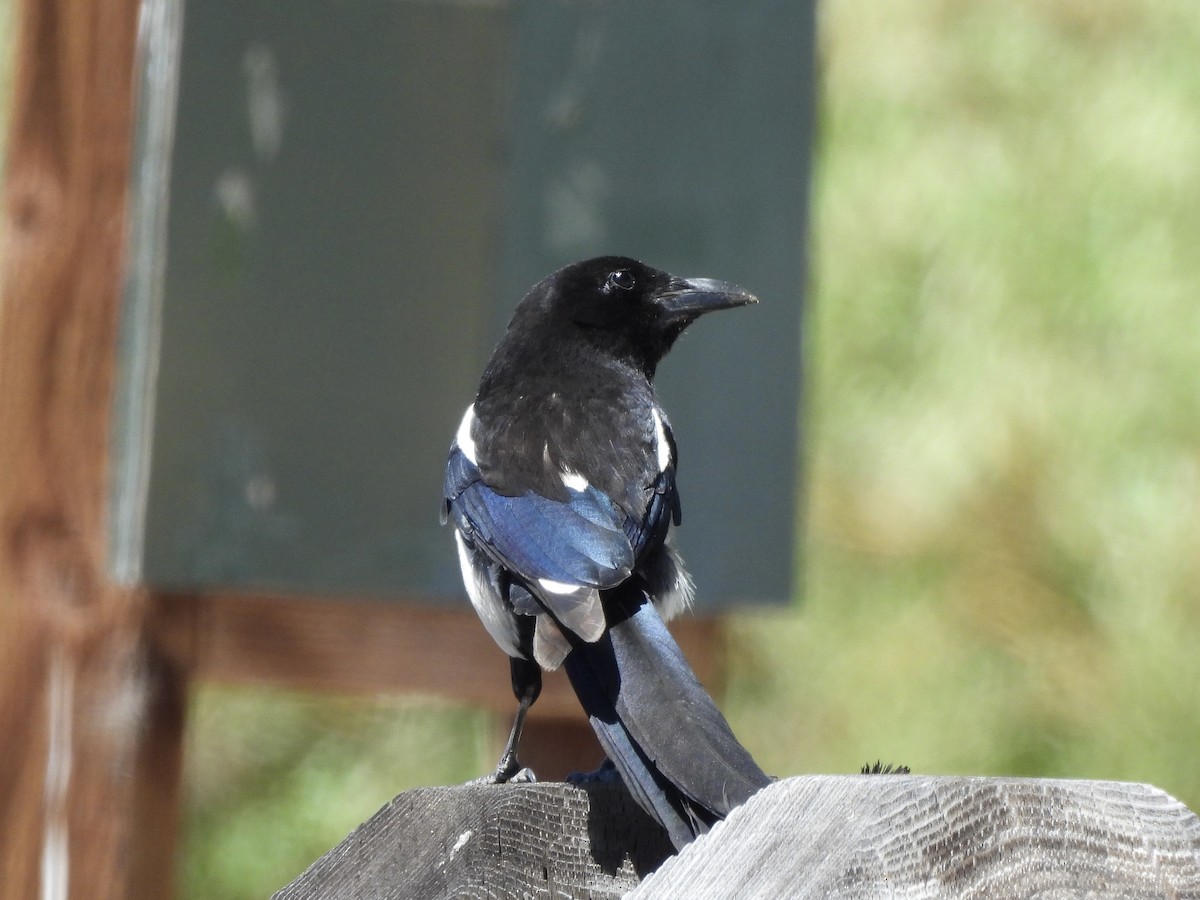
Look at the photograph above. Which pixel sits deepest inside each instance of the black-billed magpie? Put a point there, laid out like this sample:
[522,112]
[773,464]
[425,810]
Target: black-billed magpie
[561,487]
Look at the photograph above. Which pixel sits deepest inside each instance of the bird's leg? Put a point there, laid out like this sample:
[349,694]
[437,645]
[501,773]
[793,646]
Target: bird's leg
[509,768]
[527,685]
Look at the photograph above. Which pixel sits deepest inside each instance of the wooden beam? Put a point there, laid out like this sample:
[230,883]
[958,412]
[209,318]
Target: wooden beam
[80,689]
[810,836]
[347,645]
[360,645]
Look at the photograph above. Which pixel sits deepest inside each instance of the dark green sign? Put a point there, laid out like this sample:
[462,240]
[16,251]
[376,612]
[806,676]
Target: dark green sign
[339,204]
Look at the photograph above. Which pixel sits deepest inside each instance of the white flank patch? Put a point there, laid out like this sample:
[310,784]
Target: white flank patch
[489,606]
[559,587]
[574,481]
[662,446]
[463,438]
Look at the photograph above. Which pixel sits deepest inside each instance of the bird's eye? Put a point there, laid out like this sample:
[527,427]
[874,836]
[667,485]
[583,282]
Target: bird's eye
[621,280]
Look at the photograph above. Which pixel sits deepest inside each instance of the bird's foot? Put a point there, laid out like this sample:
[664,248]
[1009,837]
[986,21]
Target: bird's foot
[606,774]
[509,771]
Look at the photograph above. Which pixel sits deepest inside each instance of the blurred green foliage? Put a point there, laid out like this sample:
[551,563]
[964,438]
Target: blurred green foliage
[276,778]
[1003,538]
[1002,549]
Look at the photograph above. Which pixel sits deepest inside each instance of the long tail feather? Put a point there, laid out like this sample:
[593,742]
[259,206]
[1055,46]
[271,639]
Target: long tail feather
[673,748]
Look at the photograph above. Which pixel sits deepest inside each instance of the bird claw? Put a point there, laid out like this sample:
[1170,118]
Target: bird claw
[508,772]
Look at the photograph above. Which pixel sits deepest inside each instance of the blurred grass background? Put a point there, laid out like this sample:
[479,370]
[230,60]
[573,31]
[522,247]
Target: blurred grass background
[1003,545]
[1001,561]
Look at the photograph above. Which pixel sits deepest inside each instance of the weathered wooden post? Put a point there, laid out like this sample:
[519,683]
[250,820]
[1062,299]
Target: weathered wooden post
[815,836]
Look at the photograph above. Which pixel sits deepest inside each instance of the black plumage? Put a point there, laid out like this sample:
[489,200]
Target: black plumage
[561,486]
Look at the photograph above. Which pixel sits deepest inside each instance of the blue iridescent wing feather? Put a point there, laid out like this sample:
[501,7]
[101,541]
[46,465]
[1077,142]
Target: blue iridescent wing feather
[583,541]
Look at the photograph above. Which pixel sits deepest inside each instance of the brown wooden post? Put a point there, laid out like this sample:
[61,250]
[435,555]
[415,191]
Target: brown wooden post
[90,714]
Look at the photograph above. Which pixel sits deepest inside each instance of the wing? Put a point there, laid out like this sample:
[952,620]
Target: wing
[564,552]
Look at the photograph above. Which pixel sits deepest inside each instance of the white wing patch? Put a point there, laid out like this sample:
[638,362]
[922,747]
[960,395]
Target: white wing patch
[463,438]
[574,481]
[570,477]
[558,587]
[662,447]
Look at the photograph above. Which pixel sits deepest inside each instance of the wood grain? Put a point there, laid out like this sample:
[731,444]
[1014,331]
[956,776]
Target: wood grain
[810,836]
[924,837]
[536,840]
[75,677]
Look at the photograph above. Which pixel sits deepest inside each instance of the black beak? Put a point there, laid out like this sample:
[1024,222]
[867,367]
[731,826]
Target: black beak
[689,298]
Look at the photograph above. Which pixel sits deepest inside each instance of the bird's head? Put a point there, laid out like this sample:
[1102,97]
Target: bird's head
[626,307]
